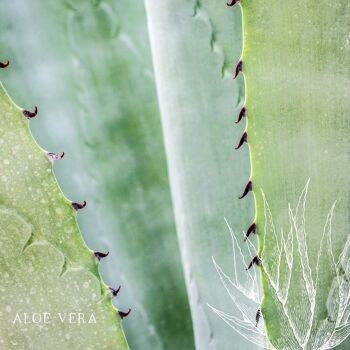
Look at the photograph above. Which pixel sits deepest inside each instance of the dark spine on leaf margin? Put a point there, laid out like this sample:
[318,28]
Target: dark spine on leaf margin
[256,260]
[239,68]
[114,292]
[29,114]
[4,64]
[241,115]
[257,317]
[251,229]
[248,188]
[78,206]
[100,255]
[232,3]
[244,139]
[55,156]
[123,314]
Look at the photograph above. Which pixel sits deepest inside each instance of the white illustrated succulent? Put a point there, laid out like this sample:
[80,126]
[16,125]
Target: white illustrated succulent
[290,267]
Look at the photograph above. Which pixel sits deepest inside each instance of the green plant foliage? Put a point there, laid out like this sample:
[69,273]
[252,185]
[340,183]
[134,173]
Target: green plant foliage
[199,102]
[87,65]
[45,265]
[297,64]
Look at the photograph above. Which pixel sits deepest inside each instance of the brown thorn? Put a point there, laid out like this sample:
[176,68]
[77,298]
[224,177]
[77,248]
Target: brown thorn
[243,139]
[78,206]
[241,115]
[123,314]
[100,255]
[251,229]
[255,260]
[29,114]
[233,2]
[247,189]
[55,156]
[257,317]
[114,292]
[4,64]
[239,68]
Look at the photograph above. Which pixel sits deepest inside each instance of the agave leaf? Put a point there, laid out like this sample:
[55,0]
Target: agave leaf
[199,103]
[296,63]
[45,265]
[91,75]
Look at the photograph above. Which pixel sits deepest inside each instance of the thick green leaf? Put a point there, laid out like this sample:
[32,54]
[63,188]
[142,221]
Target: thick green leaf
[297,67]
[199,103]
[45,266]
[87,65]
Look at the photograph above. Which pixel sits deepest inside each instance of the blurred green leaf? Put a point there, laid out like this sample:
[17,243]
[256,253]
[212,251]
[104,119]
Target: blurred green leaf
[194,46]
[87,65]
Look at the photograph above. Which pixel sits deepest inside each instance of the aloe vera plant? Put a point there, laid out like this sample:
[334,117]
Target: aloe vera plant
[295,64]
[46,267]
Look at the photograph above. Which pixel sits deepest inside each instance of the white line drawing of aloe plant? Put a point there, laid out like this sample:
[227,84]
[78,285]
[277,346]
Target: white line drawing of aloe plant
[291,257]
